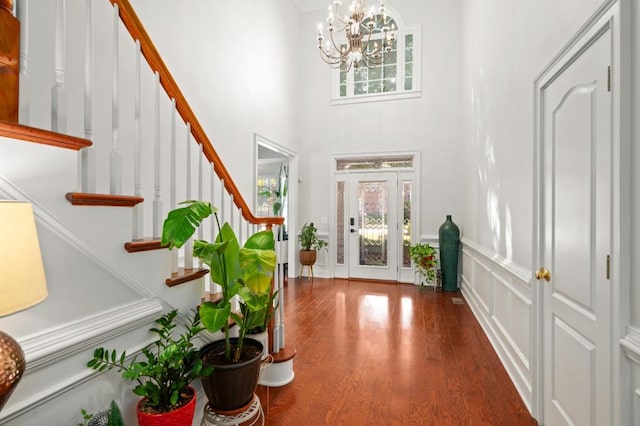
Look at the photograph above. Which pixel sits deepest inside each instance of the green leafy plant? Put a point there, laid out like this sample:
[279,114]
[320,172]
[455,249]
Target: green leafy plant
[169,365]
[308,238]
[425,260]
[261,317]
[246,271]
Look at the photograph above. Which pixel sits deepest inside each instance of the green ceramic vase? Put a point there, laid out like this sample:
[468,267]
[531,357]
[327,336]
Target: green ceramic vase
[449,240]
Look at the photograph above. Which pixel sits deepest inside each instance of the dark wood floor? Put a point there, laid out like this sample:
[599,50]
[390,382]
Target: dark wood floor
[388,354]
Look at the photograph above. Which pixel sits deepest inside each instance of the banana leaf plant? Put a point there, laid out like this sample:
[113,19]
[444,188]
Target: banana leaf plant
[245,271]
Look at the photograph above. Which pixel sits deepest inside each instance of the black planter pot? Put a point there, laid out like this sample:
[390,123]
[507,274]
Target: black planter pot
[231,386]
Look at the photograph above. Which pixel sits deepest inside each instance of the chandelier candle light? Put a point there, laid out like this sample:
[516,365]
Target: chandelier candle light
[359,48]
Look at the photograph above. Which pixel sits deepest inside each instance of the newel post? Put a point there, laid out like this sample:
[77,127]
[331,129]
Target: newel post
[9,62]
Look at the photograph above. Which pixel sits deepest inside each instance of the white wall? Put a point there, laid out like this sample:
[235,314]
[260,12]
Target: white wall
[430,124]
[236,65]
[506,45]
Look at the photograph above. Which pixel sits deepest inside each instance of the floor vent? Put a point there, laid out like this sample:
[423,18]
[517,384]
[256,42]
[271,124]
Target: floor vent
[457,300]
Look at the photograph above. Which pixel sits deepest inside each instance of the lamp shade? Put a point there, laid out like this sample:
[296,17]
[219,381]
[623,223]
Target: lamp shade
[22,280]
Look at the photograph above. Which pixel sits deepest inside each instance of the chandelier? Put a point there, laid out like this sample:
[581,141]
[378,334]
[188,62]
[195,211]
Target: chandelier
[359,47]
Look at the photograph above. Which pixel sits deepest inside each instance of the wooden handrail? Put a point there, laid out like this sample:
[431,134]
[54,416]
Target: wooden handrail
[6,5]
[138,32]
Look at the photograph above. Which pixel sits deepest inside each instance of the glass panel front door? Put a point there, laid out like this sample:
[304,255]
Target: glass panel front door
[373,209]
[373,235]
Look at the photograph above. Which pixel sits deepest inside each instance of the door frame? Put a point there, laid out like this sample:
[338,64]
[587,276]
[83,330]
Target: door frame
[415,205]
[292,191]
[607,17]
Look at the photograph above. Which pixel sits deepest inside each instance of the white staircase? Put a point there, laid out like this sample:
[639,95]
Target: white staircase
[133,149]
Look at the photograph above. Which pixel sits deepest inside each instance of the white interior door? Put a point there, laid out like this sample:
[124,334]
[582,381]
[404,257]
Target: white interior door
[373,225]
[575,236]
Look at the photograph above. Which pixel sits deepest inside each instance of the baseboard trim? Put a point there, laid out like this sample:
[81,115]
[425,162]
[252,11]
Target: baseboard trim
[522,385]
[501,276]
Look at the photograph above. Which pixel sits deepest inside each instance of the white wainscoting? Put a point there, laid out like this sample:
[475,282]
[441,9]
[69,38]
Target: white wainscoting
[500,295]
[630,345]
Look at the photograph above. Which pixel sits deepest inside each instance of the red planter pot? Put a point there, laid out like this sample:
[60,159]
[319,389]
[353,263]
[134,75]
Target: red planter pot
[183,416]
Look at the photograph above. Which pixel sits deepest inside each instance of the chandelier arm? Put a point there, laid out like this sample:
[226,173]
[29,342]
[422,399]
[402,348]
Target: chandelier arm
[331,60]
[329,55]
[335,47]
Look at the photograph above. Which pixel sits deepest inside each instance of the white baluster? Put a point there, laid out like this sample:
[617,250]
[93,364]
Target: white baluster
[174,174]
[115,163]
[86,156]
[213,287]
[157,203]
[200,184]
[173,166]
[278,324]
[223,216]
[188,247]
[213,193]
[22,11]
[231,210]
[58,93]
[240,236]
[138,211]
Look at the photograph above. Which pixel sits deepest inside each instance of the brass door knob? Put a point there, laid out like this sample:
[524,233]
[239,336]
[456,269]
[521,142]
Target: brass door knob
[543,273]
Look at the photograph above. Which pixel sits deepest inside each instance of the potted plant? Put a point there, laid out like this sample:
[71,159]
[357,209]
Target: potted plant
[425,260]
[163,377]
[247,272]
[309,244]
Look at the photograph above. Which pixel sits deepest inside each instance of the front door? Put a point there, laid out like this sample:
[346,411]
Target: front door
[575,235]
[373,225]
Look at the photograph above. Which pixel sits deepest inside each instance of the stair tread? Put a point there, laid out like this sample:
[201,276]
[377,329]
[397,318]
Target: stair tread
[87,199]
[146,244]
[185,275]
[41,136]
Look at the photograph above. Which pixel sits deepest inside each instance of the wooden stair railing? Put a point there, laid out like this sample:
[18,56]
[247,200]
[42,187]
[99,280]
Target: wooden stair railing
[138,32]
[148,50]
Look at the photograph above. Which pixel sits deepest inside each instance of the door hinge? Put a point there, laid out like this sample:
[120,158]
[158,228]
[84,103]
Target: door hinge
[608,267]
[609,78]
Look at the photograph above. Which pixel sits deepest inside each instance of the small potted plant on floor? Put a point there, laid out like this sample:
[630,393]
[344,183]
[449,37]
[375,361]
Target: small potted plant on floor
[425,260]
[247,272]
[164,376]
[309,244]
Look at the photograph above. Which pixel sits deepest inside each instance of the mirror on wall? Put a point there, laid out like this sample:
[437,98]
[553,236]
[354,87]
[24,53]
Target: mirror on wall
[272,182]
